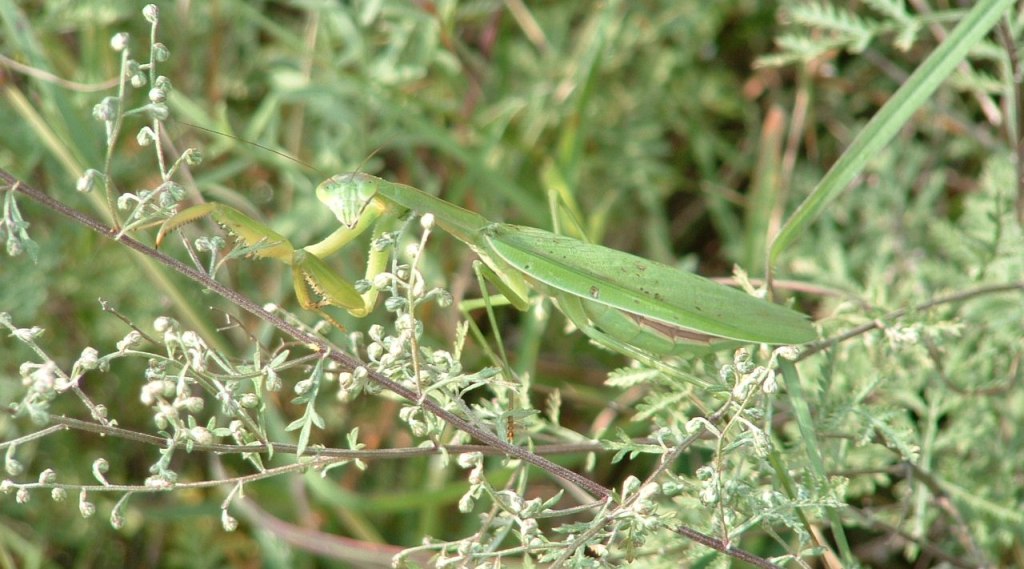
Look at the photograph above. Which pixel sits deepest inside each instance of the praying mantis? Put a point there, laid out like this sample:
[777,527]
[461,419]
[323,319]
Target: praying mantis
[624,302]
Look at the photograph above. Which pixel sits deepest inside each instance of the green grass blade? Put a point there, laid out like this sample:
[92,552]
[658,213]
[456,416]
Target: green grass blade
[891,117]
[809,434]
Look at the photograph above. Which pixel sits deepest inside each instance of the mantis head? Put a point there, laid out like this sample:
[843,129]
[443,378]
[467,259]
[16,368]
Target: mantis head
[348,195]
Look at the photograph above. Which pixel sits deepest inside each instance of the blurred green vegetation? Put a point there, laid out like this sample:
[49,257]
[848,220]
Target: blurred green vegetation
[680,131]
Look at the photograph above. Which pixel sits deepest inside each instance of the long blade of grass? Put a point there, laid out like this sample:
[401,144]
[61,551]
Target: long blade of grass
[891,117]
[815,459]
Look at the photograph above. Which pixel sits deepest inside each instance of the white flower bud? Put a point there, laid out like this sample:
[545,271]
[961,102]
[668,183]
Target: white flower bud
[119,41]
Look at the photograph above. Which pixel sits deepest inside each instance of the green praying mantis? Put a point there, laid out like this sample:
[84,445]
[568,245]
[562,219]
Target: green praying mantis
[624,302]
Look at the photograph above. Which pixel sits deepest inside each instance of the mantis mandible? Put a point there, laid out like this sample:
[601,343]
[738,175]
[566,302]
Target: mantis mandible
[620,300]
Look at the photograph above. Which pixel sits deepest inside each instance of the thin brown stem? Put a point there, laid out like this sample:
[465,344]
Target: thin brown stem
[879,323]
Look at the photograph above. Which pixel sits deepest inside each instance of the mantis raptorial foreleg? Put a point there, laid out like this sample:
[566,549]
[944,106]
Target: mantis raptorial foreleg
[316,284]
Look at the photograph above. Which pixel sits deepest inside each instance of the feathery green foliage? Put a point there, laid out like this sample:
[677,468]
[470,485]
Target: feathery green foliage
[205,434]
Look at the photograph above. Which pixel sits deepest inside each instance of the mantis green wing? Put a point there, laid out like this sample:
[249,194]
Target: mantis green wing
[645,288]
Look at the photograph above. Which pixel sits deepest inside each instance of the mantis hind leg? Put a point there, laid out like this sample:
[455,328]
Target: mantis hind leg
[510,292]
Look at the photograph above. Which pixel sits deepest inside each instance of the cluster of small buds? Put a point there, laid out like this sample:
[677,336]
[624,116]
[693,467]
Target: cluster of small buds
[743,361]
[151,12]
[12,466]
[396,304]
[86,508]
[100,467]
[139,200]
[644,492]
[441,296]
[201,435]
[241,435]
[48,476]
[22,496]
[165,416]
[28,335]
[160,52]
[100,413]
[196,350]
[444,362]
[14,231]
[412,415]
[214,243]
[468,548]
[406,325]
[470,460]
[468,500]
[89,360]
[158,112]
[427,221]
[87,181]
[238,431]
[248,401]
[770,384]
[159,482]
[117,519]
[119,41]
[387,240]
[14,246]
[382,281]
[148,204]
[708,477]
[638,506]
[350,384]
[106,109]
[171,397]
[759,439]
[40,379]
[169,193]
[746,375]
[272,381]
[899,335]
[385,351]
[133,69]
[303,387]
[169,327]
[227,521]
[131,341]
[192,156]
[474,461]
[761,377]
[157,390]
[515,504]
[145,136]
[695,424]
[630,486]
[787,352]
[515,511]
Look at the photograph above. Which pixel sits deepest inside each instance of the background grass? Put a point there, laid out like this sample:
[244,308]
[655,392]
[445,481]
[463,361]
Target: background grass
[682,131]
